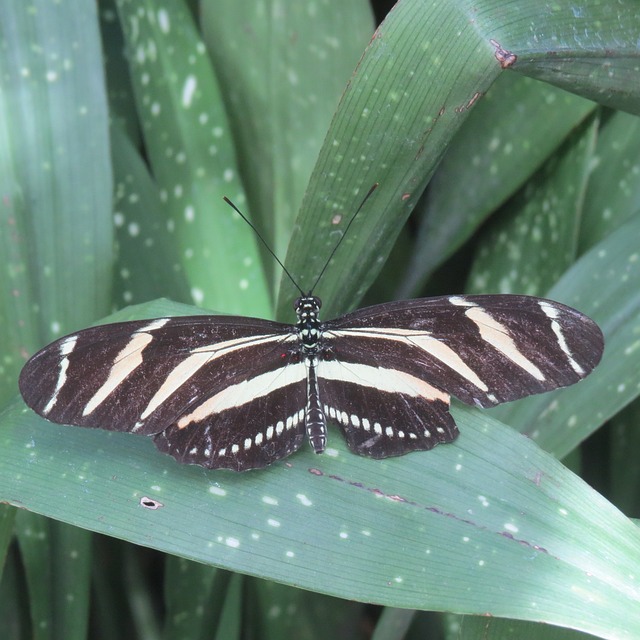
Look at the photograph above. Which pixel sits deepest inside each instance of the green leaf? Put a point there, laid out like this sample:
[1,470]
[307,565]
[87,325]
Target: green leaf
[476,627]
[311,611]
[393,623]
[624,468]
[412,532]
[190,149]
[56,243]
[194,596]
[13,613]
[7,517]
[505,140]
[613,193]
[408,96]
[57,561]
[590,49]
[488,525]
[153,267]
[282,69]
[393,127]
[604,284]
[532,241]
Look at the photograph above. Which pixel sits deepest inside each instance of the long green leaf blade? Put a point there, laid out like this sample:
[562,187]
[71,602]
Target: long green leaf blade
[56,243]
[282,68]
[191,152]
[496,150]
[408,96]
[411,532]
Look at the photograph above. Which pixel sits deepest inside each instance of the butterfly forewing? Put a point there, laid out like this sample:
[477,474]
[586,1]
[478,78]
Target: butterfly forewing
[482,349]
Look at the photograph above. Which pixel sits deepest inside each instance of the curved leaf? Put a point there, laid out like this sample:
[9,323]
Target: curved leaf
[422,73]
[190,149]
[504,141]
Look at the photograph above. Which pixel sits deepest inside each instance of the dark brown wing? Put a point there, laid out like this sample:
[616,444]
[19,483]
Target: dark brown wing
[213,389]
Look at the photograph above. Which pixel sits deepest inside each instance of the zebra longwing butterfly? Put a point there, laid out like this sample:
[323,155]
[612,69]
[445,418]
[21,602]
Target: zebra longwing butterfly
[240,393]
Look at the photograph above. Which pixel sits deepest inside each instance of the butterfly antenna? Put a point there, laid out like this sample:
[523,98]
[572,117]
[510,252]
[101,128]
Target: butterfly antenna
[344,233]
[264,242]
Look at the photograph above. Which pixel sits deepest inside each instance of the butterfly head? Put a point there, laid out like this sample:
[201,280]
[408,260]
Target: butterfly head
[308,324]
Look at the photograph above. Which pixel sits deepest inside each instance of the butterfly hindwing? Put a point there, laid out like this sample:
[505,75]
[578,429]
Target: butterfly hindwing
[247,425]
[384,414]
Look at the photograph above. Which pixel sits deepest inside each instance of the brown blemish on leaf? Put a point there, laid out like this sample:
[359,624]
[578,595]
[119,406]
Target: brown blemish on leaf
[394,497]
[505,58]
[465,107]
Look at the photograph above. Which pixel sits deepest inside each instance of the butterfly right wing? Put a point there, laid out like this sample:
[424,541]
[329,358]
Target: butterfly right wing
[387,372]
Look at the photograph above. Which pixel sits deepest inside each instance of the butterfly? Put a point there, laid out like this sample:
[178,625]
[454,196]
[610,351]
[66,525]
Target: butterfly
[241,393]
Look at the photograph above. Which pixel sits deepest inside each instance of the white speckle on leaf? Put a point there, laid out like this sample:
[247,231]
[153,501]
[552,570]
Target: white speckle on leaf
[197,295]
[163,21]
[188,91]
[304,500]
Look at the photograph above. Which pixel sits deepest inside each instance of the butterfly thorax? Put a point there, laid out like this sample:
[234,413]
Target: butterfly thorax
[308,324]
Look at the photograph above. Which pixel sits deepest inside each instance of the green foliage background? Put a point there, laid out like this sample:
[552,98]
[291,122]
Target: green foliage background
[123,124]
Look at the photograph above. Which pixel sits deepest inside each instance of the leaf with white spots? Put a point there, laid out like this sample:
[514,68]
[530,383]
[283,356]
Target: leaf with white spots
[56,251]
[193,161]
[282,67]
[604,284]
[532,240]
[409,95]
[148,261]
[56,245]
[504,141]
[442,530]
[400,109]
[613,193]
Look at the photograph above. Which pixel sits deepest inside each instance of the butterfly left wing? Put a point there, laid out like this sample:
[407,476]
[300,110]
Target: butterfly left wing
[484,350]
[212,389]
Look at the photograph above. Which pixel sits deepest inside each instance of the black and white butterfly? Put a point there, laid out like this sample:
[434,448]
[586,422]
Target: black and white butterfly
[241,393]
